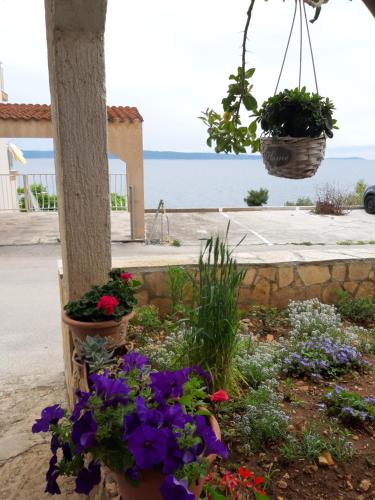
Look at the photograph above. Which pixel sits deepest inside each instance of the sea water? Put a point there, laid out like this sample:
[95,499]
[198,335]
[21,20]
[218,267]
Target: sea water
[224,183]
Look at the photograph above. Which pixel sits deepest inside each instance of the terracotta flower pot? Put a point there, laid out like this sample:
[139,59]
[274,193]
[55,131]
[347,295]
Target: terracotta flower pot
[114,330]
[151,480]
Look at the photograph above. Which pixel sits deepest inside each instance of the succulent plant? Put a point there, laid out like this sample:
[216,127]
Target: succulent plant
[94,350]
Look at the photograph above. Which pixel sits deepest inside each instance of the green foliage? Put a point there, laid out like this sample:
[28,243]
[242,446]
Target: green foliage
[44,200]
[258,363]
[349,407]
[147,317]
[360,310]
[226,131]
[296,113]
[176,243]
[356,197]
[312,443]
[301,202]
[255,420]
[118,202]
[256,198]
[269,317]
[178,283]
[214,321]
[94,350]
[85,308]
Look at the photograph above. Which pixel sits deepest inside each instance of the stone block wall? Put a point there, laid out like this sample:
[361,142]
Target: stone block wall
[275,284]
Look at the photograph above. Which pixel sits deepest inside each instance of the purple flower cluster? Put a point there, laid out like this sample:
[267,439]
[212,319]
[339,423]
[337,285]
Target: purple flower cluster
[322,357]
[349,407]
[141,412]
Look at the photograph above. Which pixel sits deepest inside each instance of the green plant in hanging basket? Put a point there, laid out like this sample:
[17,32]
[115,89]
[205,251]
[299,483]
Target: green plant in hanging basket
[296,113]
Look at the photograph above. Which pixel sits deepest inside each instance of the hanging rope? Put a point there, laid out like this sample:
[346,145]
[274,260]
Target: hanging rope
[311,49]
[299,3]
[300,44]
[287,47]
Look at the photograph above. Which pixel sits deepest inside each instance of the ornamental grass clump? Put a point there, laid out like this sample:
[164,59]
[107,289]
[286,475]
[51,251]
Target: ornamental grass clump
[134,421]
[321,357]
[110,301]
[212,341]
[349,407]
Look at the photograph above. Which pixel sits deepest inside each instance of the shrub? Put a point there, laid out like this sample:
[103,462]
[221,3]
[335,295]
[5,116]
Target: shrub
[311,444]
[258,420]
[214,320]
[356,197]
[311,318]
[44,200]
[297,113]
[361,338]
[259,364]
[321,357]
[360,310]
[331,200]
[147,317]
[118,202]
[169,353]
[301,202]
[256,198]
[269,317]
[349,407]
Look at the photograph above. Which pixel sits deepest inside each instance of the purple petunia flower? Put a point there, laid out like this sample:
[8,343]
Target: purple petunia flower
[54,444]
[173,489]
[67,452]
[111,390]
[148,446]
[50,415]
[134,360]
[175,415]
[211,443]
[168,384]
[80,405]
[84,432]
[370,400]
[51,477]
[147,415]
[88,478]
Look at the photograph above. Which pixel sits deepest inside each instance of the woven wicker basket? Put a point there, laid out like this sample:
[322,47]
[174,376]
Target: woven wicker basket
[292,157]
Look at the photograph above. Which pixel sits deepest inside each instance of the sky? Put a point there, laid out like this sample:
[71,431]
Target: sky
[172,60]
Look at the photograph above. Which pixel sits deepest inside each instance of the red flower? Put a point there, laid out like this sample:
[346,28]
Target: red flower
[107,304]
[126,276]
[219,396]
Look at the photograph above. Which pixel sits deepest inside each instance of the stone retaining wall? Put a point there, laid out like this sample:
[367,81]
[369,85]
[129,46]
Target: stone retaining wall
[275,284]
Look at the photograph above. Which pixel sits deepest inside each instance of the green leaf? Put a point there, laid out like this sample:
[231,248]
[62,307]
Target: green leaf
[259,496]
[249,73]
[250,102]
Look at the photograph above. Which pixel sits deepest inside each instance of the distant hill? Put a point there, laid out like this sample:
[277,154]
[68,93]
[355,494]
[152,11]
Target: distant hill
[177,155]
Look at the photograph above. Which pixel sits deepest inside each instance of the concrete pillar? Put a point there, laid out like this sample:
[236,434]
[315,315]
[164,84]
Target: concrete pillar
[75,40]
[125,141]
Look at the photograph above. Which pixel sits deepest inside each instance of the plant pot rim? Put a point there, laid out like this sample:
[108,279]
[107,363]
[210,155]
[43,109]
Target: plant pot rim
[94,324]
[291,138]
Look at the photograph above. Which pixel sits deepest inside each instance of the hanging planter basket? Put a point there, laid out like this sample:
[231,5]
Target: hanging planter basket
[292,157]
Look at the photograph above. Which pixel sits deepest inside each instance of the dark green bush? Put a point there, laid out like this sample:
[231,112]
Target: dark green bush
[256,198]
[296,113]
[361,310]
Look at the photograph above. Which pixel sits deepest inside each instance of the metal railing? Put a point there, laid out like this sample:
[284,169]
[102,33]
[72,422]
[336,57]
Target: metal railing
[37,192]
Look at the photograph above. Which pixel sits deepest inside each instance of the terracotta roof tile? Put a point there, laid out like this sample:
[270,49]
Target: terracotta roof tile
[43,112]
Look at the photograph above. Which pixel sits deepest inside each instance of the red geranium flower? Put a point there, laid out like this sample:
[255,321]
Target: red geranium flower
[219,396]
[107,304]
[126,276]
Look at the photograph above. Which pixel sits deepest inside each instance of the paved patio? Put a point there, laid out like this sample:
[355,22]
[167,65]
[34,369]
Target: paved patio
[264,227]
